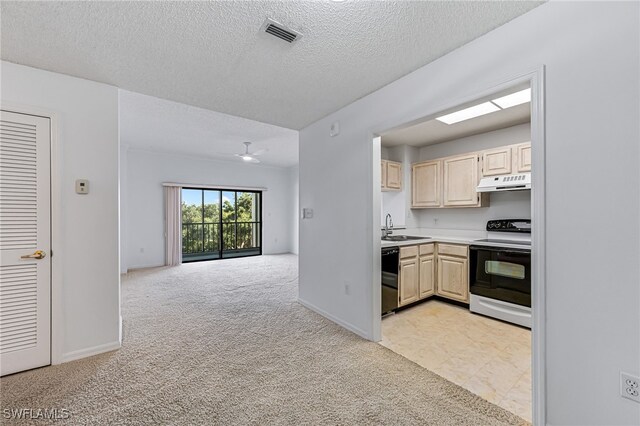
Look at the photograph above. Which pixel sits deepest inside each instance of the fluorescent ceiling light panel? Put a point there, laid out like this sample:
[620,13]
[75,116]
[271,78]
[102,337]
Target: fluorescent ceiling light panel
[468,113]
[514,99]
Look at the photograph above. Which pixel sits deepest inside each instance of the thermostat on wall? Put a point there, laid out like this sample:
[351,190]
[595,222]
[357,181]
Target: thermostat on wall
[82,186]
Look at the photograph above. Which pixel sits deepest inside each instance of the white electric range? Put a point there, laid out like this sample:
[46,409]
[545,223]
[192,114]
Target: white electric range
[500,272]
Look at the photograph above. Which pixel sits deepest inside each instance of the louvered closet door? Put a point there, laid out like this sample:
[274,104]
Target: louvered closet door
[25,289]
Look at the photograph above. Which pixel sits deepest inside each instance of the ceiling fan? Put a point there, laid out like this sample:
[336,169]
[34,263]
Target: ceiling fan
[250,157]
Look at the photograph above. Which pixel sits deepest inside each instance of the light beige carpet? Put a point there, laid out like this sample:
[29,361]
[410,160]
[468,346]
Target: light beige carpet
[226,342]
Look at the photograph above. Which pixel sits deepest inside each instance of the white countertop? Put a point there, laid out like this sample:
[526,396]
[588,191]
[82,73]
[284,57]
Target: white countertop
[452,236]
[439,239]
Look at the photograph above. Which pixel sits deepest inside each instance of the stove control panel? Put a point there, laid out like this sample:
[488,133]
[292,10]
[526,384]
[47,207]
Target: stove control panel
[510,225]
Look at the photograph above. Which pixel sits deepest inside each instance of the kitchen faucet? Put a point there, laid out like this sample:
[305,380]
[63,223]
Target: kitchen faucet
[388,226]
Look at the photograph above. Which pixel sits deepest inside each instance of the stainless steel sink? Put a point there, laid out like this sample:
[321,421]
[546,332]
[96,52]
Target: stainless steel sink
[403,238]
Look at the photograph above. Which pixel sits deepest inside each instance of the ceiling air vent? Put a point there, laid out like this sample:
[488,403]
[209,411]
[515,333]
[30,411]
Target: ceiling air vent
[278,30]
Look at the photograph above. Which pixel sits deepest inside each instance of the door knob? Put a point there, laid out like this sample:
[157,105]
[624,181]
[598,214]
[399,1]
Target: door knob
[38,254]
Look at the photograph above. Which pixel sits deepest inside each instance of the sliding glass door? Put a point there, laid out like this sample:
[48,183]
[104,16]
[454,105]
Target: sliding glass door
[220,224]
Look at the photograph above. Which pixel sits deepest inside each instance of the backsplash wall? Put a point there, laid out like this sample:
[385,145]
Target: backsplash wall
[504,205]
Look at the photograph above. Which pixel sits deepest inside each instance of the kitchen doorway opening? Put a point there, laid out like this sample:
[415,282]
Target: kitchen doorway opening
[220,223]
[430,168]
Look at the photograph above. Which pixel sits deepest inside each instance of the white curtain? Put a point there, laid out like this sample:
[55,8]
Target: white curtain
[173,224]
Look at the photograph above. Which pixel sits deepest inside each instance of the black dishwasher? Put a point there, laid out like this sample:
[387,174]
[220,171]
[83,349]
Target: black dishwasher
[389,279]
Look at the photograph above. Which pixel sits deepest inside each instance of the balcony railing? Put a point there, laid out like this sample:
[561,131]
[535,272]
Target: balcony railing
[200,238]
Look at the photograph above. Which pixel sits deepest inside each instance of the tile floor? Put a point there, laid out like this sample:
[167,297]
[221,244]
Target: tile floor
[488,357]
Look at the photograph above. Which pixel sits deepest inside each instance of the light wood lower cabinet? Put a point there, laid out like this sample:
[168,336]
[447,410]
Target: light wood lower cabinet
[408,285]
[453,272]
[417,273]
[427,280]
[426,271]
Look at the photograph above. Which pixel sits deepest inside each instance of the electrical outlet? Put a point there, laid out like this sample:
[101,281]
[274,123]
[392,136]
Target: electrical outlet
[630,386]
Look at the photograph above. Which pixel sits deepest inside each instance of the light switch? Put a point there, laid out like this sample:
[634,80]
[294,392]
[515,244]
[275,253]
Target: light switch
[82,186]
[307,213]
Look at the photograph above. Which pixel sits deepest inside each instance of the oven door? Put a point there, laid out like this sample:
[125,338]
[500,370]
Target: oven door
[501,274]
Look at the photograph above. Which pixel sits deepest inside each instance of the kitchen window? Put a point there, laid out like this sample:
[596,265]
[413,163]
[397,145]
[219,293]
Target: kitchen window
[220,223]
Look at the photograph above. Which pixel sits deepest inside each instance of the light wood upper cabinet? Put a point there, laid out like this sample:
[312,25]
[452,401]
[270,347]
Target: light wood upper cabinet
[523,157]
[391,175]
[448,182]
[451,182]
[408,285]
[394,175]
[453,274]
[507,160]
[461,180]
[426,184]
[497,161]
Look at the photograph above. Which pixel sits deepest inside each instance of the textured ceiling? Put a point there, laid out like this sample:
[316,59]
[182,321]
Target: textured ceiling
[209,54]
[159,125]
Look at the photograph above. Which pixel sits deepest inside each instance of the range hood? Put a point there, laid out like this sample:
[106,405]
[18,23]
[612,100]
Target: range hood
[517,182]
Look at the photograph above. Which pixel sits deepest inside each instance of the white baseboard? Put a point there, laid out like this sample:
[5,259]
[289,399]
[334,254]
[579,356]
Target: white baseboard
[136,267]
[95,350]
[275,253]
[338,321]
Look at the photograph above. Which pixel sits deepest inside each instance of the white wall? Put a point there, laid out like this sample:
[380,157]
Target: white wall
[86,252]
[147,170]
[398,203]
[124,153]
[511,135]
[393,203]
[592,181]
[503,205]
[295,207]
